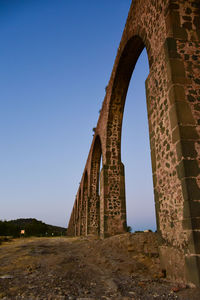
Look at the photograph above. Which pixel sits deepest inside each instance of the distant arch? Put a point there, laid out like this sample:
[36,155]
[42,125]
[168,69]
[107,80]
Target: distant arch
[125,67]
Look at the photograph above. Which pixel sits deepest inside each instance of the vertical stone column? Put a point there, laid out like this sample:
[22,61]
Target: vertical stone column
[74,220]
[185,115]
[173,92]
[76,217]
[93,214]
[84,212]
[93,203]
[183,61]
[112,200]
[87,213]
[79,222]
[102,186]
[79,213]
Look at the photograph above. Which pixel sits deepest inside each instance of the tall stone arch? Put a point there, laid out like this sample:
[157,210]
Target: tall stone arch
[170,31]
[114,198]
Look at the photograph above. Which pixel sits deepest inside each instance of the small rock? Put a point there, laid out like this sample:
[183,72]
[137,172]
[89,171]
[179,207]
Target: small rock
[141,283]
[183,286]
[175,289]
[159,275]
[2,295]
[86,292]
[178,288]
[6,277]
[131,293]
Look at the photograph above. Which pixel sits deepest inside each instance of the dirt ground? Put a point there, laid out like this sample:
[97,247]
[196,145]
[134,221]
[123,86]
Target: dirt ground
[82,268]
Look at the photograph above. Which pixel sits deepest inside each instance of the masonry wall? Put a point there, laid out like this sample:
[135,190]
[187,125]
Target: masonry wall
[170,31]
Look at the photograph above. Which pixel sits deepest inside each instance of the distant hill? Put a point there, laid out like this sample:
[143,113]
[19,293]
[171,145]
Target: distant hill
[31,227]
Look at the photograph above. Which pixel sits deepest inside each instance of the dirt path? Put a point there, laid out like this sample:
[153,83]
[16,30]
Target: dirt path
[82,268]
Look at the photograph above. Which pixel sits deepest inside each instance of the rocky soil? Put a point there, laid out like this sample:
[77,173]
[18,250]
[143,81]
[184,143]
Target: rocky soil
[83,268]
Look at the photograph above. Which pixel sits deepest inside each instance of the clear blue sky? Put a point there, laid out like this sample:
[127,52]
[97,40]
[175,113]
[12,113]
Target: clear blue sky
[56,58]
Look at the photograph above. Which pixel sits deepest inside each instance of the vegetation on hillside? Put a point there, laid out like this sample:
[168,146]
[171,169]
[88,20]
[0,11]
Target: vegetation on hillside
[31,227]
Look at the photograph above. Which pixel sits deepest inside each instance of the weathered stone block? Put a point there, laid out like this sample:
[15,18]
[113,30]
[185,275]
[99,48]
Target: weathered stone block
[191,209]
[184,133]
[191,191]
[180,33]
[180,113]
[186,149]
[177,68]
[188,168]
[192,267]
[172,20]
[176,93]
[172,260]
[194,242]
[191,223]
[171,48]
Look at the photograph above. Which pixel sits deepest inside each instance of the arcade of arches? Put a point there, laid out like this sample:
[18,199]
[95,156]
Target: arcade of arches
[170,31]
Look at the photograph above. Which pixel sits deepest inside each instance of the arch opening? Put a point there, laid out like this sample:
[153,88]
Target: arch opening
[136,152]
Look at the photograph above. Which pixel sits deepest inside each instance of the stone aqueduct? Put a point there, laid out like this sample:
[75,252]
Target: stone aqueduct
[170,31]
